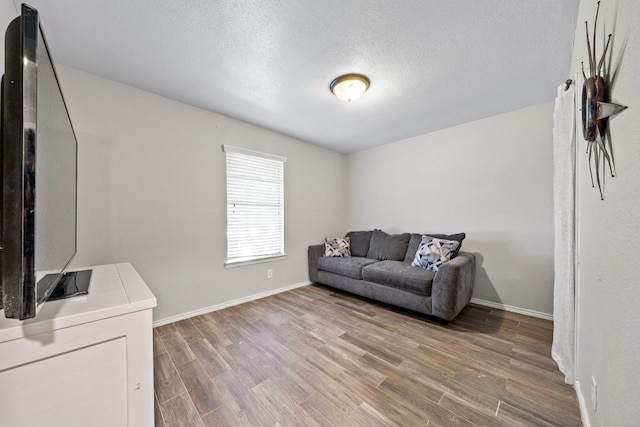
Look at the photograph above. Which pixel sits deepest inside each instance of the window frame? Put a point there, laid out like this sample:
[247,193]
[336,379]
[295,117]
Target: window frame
[253,259]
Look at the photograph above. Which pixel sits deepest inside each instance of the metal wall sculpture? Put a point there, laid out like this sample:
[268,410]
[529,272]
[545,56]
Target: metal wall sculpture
[597,108]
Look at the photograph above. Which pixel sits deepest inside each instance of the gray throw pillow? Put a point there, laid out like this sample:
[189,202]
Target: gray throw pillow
[417,238]
[385,246]
[359,242]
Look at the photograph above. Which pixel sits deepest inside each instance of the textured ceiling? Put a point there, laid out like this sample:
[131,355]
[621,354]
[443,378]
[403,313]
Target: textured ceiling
[432,64]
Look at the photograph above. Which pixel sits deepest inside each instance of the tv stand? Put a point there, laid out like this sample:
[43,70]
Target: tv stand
[72,284]
[82,361]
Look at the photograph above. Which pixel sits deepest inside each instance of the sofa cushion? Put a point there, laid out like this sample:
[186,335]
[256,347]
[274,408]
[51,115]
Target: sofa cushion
[415,240]
[351,266]
[432,253]
[401,275]
[359,242]
[385,246]
[337,247]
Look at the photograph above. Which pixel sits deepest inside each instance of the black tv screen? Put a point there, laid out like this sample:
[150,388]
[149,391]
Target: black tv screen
[39,167]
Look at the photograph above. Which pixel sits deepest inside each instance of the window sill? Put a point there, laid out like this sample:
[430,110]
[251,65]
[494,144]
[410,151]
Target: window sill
[249,261]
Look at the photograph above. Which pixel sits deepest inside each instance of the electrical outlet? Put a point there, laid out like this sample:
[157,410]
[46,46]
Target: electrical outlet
[269,274]
[594,394]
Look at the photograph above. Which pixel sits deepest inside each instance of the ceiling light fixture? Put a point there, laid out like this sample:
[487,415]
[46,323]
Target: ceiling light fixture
[349,86]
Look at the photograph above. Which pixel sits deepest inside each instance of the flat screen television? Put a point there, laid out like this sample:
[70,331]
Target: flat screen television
[39,169]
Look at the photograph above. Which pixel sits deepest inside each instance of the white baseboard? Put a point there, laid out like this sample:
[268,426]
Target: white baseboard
[582,403]
[227,304]
[512,309]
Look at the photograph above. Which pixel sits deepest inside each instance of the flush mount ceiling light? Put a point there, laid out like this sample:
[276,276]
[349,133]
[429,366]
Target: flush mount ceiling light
[349,86]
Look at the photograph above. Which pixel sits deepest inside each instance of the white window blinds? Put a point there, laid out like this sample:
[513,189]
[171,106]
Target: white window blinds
[255,205]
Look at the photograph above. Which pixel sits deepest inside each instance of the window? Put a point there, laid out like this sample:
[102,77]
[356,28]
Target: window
[255,206]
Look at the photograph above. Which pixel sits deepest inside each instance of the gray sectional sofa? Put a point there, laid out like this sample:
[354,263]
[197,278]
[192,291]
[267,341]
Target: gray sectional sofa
[380,268]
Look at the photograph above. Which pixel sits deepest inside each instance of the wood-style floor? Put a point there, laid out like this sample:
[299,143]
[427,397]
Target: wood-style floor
[316,356]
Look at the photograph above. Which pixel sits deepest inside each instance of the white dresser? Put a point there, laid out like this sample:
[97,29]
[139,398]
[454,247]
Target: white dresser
[84,361]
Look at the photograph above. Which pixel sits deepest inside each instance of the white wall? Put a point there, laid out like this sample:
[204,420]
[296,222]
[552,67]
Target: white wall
[609,237]
[151,190]
[490,178]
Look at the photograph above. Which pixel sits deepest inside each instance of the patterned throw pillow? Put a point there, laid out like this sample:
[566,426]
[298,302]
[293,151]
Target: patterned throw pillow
[432,253]
[337,246]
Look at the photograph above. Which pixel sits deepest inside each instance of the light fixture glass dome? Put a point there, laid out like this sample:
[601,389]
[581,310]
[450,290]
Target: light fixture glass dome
[349,86]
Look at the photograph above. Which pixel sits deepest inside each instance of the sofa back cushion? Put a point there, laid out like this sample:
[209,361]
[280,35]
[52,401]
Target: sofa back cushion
[359,242]
[415,240]
[385,246]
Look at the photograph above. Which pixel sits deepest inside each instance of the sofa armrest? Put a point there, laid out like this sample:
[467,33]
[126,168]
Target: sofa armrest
[315,252]
[453,285]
